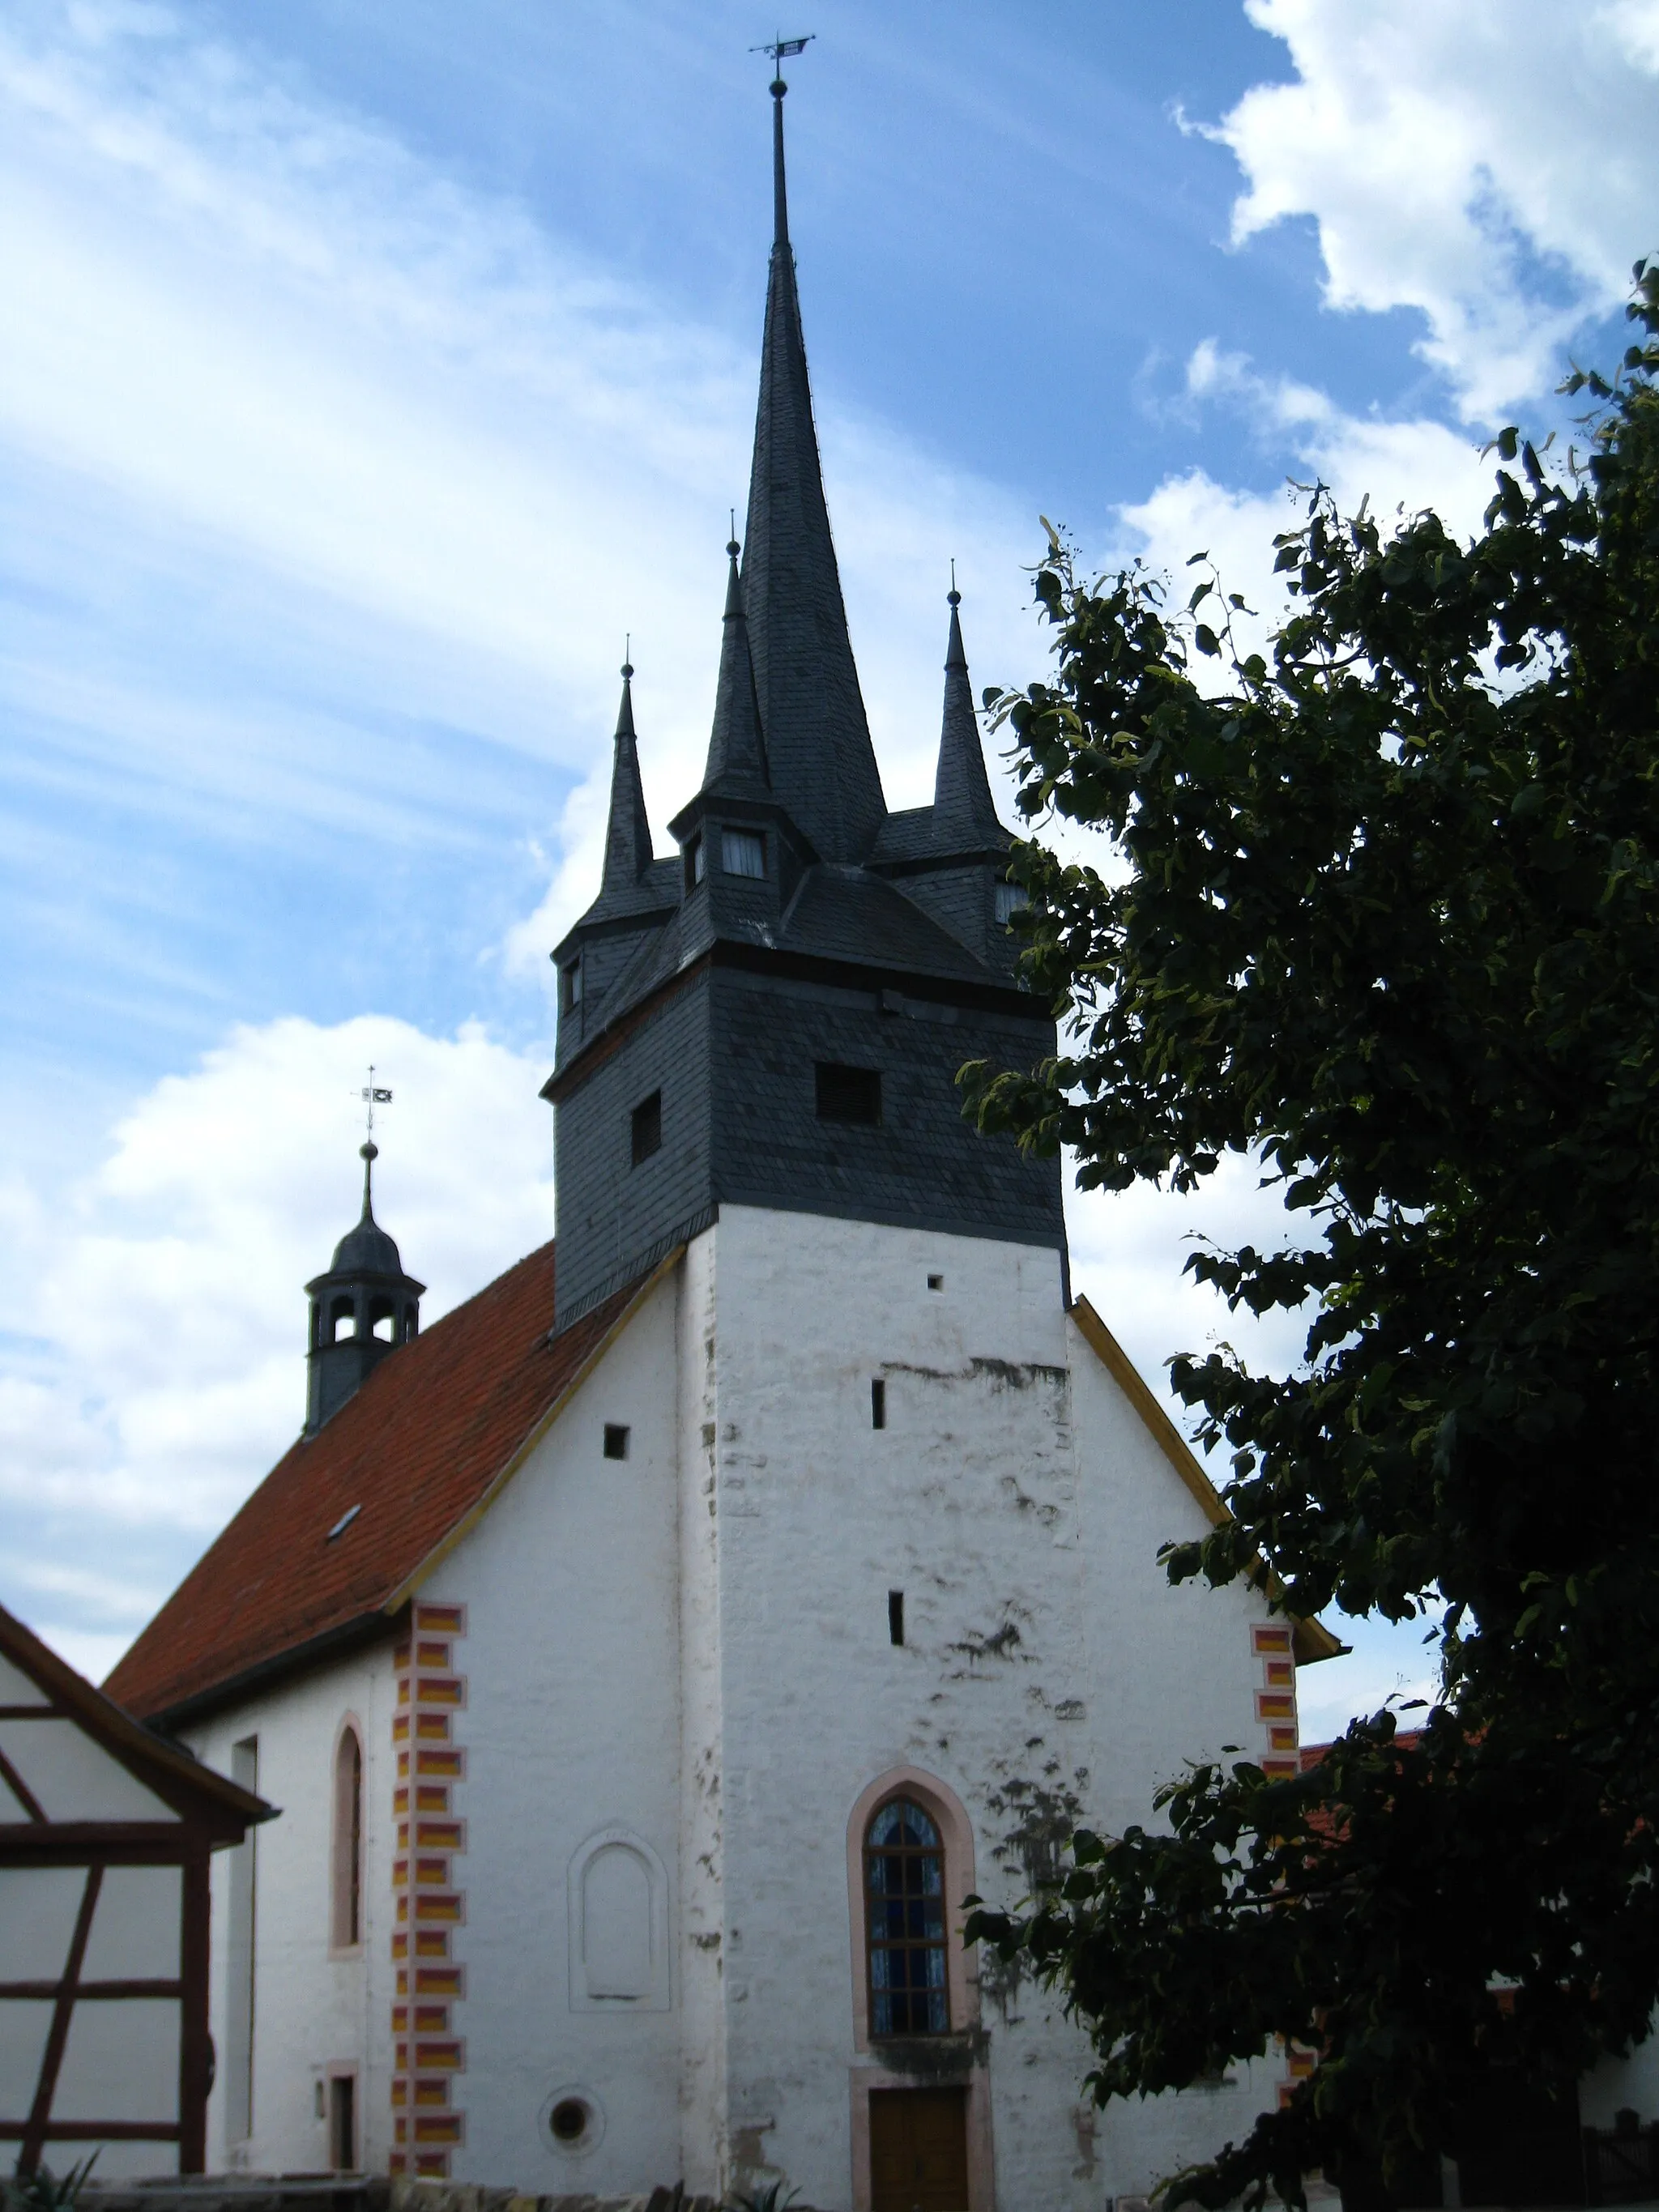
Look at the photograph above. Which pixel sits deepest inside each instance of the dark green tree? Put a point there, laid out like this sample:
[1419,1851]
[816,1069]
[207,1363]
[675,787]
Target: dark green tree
[1383,915]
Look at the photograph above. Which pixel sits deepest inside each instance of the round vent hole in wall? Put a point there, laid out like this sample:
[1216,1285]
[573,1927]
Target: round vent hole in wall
[572,2121]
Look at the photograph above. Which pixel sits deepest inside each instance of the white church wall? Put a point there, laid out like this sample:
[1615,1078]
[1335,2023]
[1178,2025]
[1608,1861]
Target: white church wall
[1631,2083]
[571,1734]
[703,1909]
[966,1502]
[1173,1678]
[315,2011]
[1046,1669]
[675,1678]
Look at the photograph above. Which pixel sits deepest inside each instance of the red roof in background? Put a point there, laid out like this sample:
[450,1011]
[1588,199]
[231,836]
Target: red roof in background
[414,1449]
[1313,1754]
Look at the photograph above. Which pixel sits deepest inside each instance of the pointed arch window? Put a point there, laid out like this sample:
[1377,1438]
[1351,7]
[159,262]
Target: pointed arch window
[904,1921]
[346,1928]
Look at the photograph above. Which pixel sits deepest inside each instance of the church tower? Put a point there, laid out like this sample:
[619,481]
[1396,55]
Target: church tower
[774,1016]
[363,1307]
[654,1656]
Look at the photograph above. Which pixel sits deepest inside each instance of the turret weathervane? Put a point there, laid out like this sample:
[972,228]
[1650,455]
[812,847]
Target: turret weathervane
[783,50]
[375,1094]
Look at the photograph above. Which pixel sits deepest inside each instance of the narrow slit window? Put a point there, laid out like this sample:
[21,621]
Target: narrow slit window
[694,863]
[343,2123]
[743,853]
[895,1616]
[616,1440]
[348,1930]
[848,1094]
[648,1127]
[570,986]
[878,1404]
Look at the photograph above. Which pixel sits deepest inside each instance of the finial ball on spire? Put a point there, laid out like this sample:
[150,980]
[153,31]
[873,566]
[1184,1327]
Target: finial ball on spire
[371,1151]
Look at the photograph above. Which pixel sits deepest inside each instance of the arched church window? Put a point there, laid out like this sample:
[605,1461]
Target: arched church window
[904,1921]
[346,1931]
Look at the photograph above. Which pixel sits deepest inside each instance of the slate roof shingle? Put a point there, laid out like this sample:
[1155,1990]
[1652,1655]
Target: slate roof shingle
[415,1450]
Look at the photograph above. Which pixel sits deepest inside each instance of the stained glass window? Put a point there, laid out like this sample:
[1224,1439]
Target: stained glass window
[904,1904]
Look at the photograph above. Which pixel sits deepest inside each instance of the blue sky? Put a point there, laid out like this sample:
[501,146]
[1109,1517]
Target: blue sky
[378,369]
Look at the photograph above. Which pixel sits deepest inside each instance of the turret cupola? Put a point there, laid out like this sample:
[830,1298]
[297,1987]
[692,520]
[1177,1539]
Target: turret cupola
[363,1307]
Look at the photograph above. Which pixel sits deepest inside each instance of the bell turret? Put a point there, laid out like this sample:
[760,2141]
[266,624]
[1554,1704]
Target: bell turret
[364,1307]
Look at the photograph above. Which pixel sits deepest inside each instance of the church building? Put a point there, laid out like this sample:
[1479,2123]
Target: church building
[648,1658]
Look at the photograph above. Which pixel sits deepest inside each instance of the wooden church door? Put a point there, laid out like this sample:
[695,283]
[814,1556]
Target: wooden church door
[919,2150]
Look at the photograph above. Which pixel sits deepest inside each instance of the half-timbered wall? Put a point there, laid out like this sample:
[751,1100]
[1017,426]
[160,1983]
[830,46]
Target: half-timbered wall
[103,1934]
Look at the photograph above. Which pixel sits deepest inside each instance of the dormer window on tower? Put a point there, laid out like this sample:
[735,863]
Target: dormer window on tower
[694,862]
[743,853]
[1011,899]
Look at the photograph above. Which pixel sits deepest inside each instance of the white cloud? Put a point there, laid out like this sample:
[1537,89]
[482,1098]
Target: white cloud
[1398,466]
[1494,165]
[156,1309]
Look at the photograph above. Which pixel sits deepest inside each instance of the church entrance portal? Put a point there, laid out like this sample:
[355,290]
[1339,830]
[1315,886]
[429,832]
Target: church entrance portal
[918,2150]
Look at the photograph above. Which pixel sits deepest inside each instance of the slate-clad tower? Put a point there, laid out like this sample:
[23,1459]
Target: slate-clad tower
[776,1017]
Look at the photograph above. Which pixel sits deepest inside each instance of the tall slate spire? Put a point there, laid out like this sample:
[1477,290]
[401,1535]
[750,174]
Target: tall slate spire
[817,740]
[737,749]
[628,833]
[964,814]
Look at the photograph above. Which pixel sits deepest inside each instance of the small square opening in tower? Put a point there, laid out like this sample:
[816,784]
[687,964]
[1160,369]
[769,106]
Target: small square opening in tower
[743,853]
[878,1404]
[848,1094]
[647,1135]
[895,1616]
[936,1282]
[616,1434]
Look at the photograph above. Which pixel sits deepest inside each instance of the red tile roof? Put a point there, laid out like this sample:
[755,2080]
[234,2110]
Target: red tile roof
[415,1450]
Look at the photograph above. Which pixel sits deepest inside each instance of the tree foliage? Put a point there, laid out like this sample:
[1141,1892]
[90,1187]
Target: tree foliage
[1383,915]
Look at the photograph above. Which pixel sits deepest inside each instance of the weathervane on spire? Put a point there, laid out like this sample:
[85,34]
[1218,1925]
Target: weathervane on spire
[782,49]
[373,1094]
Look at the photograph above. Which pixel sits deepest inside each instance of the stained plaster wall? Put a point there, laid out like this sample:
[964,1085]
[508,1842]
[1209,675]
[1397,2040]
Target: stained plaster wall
[1046,1664]
[313,2011]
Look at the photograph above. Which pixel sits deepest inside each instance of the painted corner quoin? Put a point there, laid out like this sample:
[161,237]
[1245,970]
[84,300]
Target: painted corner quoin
[1271,1645]
[429,1900]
